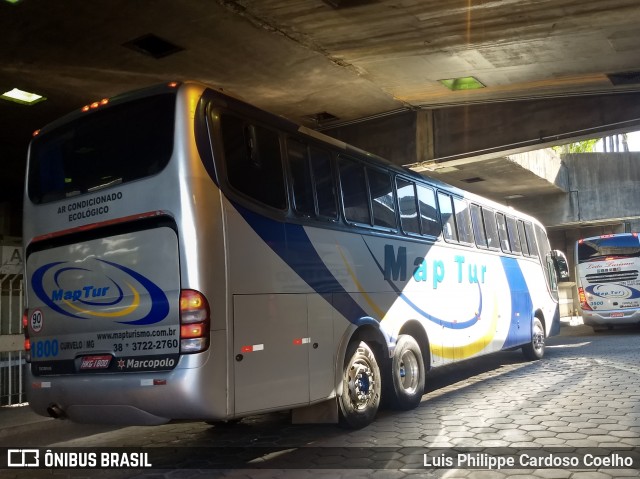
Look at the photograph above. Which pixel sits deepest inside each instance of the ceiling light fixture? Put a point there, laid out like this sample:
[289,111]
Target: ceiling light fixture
[462,83]
[23,97]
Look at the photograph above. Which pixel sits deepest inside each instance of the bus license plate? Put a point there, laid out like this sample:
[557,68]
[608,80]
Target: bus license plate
[95,362]
[616,315]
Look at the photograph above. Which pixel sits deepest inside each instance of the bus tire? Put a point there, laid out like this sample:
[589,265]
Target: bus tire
[406,379]
[535,349]
[360,398]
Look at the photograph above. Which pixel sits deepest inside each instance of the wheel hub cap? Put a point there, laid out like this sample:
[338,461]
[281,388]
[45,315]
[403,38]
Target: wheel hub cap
[361,388]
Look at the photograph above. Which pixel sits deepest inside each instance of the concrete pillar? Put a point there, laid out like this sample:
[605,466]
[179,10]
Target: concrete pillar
[425,147]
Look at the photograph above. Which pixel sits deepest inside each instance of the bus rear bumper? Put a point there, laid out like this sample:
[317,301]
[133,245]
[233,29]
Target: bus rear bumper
[141,398]
[611,318]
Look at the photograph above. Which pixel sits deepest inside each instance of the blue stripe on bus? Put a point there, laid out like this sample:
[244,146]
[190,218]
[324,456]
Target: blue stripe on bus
[521,304]
[292,244]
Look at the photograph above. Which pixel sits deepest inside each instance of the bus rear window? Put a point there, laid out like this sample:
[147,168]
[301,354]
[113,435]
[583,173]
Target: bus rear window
[608,247]
[106,147]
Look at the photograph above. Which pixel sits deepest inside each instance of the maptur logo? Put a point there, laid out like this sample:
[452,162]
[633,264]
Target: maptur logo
[613,291]
[100,290]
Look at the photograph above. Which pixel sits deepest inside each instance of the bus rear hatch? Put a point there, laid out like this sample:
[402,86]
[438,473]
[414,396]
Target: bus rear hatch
[105,305]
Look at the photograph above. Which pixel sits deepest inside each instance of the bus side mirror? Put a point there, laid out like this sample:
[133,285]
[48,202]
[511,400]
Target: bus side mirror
[561,265]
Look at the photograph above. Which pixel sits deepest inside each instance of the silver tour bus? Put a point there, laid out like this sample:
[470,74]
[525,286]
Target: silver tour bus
[191,257]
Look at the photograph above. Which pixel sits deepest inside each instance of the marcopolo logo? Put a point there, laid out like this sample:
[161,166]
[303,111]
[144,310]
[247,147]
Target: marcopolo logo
[102,290]
[154,362]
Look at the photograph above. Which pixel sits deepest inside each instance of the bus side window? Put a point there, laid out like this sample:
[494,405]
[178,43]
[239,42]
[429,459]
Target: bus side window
[514,240]
[551,271]
[531,239]
[523,238]
[407,206]
[325,183]
[463,221]
[428,211]
[478,226]
[448,219]
[544,250]
[354,191]
[493,241]
[297,155]
[382,201]
[253,161]
[502,233]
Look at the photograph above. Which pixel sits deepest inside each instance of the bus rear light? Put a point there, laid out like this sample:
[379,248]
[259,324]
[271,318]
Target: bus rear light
[193,307]
[191,330]
[94,105]
[27,341]
[195,345]
[582,297]
[194,321]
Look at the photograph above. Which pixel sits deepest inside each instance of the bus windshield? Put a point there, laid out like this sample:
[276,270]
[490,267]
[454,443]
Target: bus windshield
[121,143]
[603,247]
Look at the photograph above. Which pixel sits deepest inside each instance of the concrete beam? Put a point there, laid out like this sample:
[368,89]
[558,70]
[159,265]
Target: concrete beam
[463,134]
[603,189]
[546,165]
[481,130]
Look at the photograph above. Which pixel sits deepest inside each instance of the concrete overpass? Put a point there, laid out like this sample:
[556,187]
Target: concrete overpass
[548,71]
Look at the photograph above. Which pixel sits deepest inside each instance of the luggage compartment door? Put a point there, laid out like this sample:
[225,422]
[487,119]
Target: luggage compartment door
[271,351]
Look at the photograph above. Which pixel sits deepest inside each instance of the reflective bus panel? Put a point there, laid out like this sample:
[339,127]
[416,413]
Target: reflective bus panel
[229,263]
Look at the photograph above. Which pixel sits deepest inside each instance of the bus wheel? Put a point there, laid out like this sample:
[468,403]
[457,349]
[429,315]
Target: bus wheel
[407,376]
[360,398]
[535,349]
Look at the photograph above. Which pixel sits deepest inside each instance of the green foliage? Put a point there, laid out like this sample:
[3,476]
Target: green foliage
[585,146]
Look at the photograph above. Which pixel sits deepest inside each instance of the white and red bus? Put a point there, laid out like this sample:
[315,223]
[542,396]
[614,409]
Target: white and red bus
[607,268]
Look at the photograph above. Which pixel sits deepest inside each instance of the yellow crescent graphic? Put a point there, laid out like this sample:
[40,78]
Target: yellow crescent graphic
[115,314]
[367,298]
[447,352]
[474,347]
